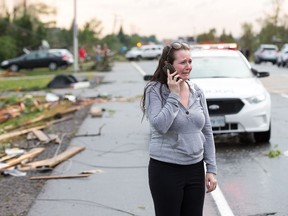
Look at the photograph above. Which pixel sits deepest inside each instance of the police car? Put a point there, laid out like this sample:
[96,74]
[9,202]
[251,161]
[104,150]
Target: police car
[236,99]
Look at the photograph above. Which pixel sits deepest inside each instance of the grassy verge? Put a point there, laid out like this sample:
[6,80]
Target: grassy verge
[24,84]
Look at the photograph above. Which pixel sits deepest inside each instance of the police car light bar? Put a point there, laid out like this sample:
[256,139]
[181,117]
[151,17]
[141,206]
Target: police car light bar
[230,46]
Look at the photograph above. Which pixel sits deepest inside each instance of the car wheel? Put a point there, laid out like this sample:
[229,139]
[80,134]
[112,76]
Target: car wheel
[261,137]
[14,68]
[138,58]
[52,66]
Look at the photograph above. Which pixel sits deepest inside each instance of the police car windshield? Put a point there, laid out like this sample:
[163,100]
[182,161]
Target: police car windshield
[219,67]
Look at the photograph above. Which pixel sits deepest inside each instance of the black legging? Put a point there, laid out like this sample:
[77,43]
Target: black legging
[177,190]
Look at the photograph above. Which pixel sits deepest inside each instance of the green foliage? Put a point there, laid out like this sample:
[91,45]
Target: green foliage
[226,38]
[24,84]
[8,101]
[274,152]
[209,37]
[8,47]
[247,39]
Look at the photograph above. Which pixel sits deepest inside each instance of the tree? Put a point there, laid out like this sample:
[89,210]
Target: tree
[209,37]
[8,47]
[247,39]
[89,35]
[273,25]
[224,38]
[122,37]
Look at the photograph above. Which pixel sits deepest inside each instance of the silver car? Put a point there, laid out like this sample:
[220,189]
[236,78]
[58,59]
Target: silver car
[266,53]
[282,59]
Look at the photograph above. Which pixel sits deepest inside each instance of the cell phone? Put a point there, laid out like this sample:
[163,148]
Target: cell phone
[170,67]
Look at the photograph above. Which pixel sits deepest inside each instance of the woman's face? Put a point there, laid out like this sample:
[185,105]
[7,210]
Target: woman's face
[183,63]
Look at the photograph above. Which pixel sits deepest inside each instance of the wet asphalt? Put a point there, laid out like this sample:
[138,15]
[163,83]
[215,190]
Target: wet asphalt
[118,156]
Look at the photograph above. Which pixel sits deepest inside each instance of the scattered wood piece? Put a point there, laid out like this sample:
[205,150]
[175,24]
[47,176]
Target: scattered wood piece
[7,157]
[20,132]
[96,111]
[52,162]
[29,155]
[59,177]
[41,136]
[54,138]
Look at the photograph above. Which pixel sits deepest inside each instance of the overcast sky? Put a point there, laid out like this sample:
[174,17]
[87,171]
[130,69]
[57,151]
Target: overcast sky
[164,18]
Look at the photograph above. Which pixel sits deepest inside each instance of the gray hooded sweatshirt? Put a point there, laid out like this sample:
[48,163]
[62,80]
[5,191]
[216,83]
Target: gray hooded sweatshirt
[179,135]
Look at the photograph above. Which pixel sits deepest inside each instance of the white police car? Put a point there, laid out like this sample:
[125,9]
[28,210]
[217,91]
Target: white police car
[236,99]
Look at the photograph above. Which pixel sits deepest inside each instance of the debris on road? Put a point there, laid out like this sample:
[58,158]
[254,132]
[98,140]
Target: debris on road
[59,177]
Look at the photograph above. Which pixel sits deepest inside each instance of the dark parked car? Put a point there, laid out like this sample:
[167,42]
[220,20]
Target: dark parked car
[52,59]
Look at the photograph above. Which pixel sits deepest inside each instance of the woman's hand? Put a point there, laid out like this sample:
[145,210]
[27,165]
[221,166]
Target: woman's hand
[173,82]
[211,182]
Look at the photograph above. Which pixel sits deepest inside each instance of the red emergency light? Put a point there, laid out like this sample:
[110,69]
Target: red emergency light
[229,46]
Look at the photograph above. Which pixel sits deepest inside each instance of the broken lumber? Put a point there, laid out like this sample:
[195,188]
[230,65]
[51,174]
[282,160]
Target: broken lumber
[20,132]
[52,162]
[29,155]
[41,136]
[59,177]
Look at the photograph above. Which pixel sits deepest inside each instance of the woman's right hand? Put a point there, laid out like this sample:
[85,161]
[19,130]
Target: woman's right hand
[173,81]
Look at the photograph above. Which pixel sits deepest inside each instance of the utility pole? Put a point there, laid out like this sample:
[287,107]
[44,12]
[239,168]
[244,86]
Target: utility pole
[75,39]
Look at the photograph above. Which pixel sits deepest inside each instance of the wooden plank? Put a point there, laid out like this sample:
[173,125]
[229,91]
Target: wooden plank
[59,177]
[7,157]
[52,162]
[41,136]
[20,132]
[29,155]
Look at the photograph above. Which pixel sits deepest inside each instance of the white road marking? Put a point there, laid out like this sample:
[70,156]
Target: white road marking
[284,95]
[221,203]
[138,68]
[217,195]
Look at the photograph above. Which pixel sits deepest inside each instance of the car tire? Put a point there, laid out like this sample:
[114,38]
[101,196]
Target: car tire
[52,66]
[14,68]
[262,137]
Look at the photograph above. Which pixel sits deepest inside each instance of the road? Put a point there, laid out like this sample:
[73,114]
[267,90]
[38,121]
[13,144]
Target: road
[252,183]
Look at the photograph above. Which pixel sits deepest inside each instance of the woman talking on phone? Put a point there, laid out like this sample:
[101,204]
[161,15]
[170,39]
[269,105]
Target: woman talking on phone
[181,140]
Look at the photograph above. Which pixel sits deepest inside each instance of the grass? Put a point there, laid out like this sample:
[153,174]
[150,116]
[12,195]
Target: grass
[24,84]
[34,80]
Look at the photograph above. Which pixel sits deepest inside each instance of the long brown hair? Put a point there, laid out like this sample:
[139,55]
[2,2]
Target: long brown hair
[159,75]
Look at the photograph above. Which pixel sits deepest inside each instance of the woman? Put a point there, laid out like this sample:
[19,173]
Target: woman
[181,137]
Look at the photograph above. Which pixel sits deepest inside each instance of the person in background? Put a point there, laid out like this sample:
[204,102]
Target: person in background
[106,57]
[181,140]
[98,53]
[82,56]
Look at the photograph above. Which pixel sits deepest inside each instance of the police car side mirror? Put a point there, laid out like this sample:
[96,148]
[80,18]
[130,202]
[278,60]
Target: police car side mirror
[260,74]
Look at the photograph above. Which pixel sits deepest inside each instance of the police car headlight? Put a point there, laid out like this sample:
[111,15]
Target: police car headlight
[256,99]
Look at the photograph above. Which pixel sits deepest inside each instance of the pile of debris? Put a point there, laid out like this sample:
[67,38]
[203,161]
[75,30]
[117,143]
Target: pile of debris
[30,115]
[50,110]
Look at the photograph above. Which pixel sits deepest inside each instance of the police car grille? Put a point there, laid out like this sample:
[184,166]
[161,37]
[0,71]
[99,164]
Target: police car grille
[224,106]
